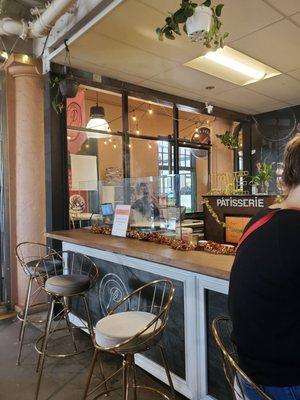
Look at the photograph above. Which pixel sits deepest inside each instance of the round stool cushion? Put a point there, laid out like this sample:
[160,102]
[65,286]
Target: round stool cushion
[67,285]
[46,266]
[116,328]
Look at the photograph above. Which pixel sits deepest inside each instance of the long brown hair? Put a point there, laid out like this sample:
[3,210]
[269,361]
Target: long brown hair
[291,172]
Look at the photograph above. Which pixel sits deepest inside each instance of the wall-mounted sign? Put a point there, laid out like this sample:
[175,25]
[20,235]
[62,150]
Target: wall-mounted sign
[249,202]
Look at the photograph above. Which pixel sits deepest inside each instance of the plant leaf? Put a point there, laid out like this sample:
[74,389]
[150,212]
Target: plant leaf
[226,34]
[179,17]
[189,11]
[169,35]
[207,3]
[184,28]
[219,9]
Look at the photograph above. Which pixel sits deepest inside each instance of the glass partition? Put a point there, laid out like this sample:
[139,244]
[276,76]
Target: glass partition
[159,203]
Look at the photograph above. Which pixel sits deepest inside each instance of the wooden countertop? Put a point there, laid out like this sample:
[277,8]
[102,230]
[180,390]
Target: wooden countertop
[218,266]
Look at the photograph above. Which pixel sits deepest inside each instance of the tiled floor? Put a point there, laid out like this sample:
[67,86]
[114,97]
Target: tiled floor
[62,379]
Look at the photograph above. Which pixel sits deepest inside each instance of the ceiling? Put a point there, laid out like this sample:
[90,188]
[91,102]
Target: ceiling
[123,45]
[19,8]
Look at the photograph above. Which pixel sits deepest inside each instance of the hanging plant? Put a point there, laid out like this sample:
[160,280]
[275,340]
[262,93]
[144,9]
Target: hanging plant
[200,23]
[58,103]
[229,140]
[66,85]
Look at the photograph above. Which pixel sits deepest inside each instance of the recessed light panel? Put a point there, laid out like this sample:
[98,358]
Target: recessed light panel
[233,66]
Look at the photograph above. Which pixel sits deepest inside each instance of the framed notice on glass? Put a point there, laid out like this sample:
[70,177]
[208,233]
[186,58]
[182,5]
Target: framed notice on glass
[235,226]
[120,225]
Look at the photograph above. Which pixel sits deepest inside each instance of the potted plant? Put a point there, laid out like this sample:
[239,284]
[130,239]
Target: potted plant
[200,23]
[68,86]
[262,178]
[230,140]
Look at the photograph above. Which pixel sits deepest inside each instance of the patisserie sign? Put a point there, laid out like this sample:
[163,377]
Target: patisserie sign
[254,202]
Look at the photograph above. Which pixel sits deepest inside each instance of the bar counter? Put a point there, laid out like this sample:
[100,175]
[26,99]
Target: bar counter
[217,266]
[201,283]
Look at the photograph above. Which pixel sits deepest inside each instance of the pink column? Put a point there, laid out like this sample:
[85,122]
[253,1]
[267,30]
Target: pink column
[27,166]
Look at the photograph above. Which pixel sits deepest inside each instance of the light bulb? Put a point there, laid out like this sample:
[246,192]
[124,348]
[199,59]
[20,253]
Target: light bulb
[110,140]
[150,146]
[115,146]
[129,146]
[150,111]
[134,118]
[137,132]
[105,142]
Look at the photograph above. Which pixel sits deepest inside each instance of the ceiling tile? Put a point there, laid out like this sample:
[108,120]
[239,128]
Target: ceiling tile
[243,17]
[296,18]
[84,65]
[245,98]
[277,45]
[122,25]
[109,53]
[295,74]
[287,7]
[171,90]
[281,87]
[272,107]
[186,78]
[229,106]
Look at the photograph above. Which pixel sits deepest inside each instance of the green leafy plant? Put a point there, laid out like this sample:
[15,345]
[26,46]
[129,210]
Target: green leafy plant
[58,103]
[213,39]
[229,140]
[265,172]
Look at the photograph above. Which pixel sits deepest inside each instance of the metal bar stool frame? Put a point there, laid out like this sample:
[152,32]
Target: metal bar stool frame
[127,348]
[24,259]
[69,265]
[221,330]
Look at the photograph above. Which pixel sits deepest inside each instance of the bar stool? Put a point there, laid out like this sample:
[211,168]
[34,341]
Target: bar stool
[79,275]
[28,254]
[135,324]
[221,329]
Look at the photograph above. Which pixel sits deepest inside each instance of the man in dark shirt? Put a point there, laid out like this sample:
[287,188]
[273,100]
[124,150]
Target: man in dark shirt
[264,294]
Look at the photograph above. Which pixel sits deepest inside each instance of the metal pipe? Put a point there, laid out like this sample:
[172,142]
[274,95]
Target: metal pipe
[39,28]
[42,26]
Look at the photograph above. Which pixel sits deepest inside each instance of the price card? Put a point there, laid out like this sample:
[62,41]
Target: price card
[120,225]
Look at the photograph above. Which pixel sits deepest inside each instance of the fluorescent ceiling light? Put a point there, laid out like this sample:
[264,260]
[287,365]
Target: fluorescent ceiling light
[233,66]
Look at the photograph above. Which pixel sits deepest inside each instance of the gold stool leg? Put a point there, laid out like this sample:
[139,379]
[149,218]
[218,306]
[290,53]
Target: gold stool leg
[92,334]
[134,378]
[24,322]
[90,374]
[70,329]
[44,347]
[167,369]
[126,371]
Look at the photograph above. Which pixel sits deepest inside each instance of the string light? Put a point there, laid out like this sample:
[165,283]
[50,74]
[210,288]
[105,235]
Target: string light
[110,140]
[137,131]
[69,137]
[87,146]
[129,145]
[115,146]
[105,142]
[134,118]
[150,111]
[149,145]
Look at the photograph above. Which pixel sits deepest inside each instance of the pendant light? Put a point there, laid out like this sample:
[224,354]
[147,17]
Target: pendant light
[98,122]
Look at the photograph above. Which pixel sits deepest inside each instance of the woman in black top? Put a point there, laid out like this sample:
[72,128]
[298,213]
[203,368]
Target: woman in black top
[264,294]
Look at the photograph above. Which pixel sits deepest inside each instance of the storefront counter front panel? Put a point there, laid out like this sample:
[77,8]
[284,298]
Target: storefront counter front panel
[201,282]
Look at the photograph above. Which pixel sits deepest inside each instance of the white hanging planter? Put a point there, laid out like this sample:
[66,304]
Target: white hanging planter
[199,23]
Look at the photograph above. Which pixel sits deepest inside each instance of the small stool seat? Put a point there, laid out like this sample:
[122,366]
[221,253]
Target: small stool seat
[67,285]
[116,328]
[47,266]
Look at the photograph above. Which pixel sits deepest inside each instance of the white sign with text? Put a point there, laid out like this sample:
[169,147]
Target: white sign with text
[120,225]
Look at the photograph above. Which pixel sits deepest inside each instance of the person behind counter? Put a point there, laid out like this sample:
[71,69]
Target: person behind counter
[146,205]
[264,293]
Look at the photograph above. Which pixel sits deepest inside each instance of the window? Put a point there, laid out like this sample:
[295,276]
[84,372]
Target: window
[187,171]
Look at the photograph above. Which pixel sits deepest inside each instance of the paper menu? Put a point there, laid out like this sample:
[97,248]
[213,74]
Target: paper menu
[121,219]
